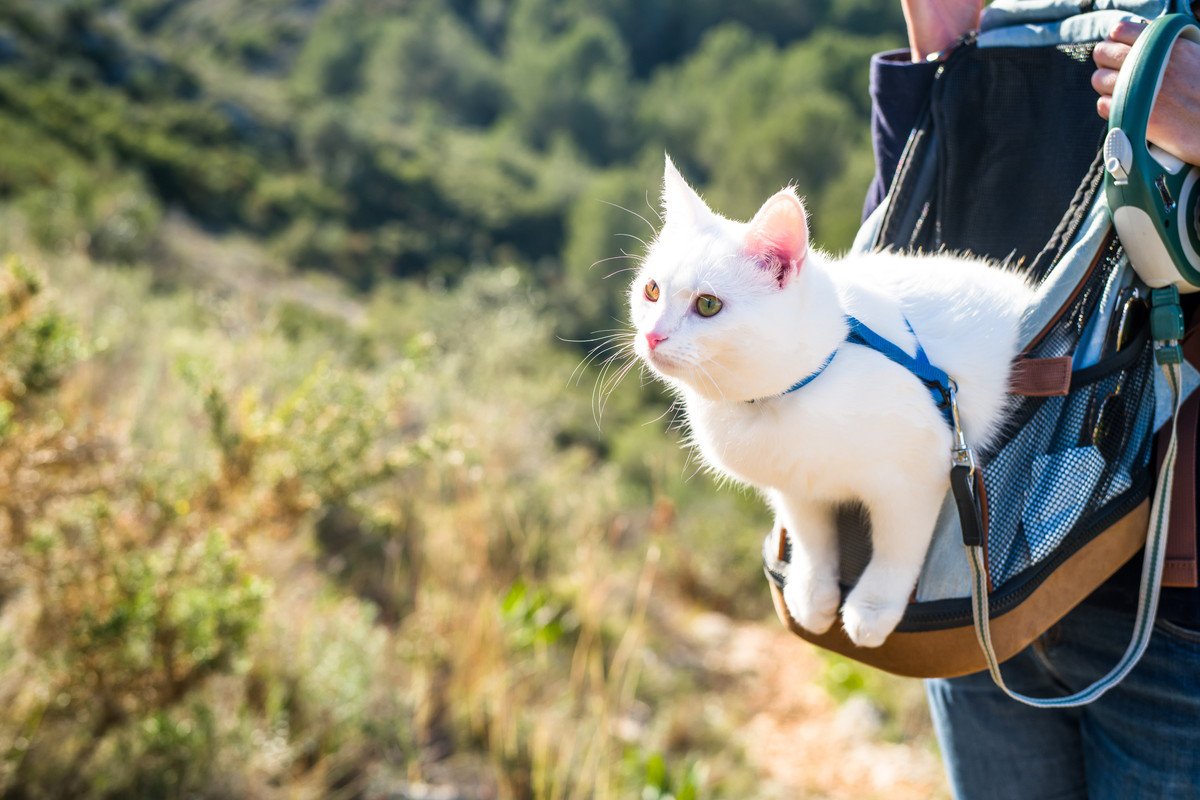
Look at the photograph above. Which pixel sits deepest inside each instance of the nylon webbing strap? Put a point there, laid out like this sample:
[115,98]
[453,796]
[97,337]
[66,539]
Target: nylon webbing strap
[936,380]
[1152,567]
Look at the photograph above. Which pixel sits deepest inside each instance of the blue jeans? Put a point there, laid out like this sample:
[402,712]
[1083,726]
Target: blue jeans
[1140,740]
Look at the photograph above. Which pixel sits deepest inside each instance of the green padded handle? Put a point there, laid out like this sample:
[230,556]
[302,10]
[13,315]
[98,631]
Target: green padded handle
[1151,193]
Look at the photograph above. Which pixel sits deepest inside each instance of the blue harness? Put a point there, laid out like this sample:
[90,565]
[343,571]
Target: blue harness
[937,381]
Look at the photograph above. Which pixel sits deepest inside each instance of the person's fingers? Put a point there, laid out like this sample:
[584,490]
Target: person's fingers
[1104,81]
[1126,31]
[1175,120]
[1110,54]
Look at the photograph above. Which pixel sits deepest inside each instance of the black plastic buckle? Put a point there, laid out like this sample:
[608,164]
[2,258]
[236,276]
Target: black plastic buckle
[970,516]
[943,390]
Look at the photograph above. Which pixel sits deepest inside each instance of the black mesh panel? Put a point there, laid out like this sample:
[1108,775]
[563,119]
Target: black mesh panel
[1017,131]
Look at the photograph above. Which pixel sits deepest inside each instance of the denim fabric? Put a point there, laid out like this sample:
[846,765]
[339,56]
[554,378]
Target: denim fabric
[1140,740]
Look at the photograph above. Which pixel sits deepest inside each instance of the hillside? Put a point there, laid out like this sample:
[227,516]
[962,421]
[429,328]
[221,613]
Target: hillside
[302,487]
[418,137]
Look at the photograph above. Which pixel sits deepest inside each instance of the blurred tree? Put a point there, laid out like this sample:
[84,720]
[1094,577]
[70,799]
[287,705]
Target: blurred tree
[576,82]
[678,103]
[664,32]
[804,142]
[430,59]
[420,137]
[332,60]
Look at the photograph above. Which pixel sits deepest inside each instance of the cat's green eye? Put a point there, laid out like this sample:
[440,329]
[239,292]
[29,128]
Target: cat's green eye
[707,305]
[652,292]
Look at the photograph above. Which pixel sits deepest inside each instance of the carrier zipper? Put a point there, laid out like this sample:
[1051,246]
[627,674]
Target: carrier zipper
[946,54]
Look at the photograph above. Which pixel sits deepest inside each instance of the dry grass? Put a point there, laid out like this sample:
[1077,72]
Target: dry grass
[260,548]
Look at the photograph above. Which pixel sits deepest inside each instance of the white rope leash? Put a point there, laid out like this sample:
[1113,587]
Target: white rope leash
[1152,568]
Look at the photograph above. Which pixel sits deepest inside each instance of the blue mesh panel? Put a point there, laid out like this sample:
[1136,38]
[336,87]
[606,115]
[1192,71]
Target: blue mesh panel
[1069,457]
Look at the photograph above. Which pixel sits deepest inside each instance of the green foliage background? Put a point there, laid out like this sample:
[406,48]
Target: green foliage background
[302,490]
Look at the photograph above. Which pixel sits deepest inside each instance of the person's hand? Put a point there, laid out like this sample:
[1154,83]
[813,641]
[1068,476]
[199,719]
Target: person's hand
[934,25]
[1175,120]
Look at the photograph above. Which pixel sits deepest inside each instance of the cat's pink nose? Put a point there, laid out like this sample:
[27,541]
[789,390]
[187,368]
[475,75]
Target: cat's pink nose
[654,339]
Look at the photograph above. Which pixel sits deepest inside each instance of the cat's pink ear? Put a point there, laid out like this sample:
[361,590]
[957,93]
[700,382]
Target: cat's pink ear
[680,202]
[778,235]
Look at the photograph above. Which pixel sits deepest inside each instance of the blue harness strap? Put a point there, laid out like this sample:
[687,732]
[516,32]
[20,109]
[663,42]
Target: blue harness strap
[937,381]
[807,379]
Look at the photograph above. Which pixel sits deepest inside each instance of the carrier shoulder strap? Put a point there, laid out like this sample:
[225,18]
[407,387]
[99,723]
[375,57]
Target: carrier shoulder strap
[1180,569]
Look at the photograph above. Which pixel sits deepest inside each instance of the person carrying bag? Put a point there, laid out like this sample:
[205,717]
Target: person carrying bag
[1057,617]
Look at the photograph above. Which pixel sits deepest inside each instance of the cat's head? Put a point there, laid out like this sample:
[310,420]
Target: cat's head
[717,303]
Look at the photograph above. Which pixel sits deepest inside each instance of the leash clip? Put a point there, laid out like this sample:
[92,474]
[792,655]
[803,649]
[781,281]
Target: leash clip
[962,479]
[961,454]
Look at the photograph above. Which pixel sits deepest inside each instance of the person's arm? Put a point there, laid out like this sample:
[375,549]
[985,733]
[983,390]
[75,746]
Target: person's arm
[899,87]
[934,25]
[1175,121]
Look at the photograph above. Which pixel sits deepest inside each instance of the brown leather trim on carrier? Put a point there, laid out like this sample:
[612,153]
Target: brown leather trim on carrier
[955,651]
[1041,377]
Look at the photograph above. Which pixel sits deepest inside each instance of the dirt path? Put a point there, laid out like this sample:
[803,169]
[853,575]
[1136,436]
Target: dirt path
[805,743]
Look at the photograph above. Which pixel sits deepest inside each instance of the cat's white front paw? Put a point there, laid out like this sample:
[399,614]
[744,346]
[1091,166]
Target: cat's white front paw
[870,619]
[812,600]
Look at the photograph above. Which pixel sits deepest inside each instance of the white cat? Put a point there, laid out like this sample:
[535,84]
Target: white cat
[729,312]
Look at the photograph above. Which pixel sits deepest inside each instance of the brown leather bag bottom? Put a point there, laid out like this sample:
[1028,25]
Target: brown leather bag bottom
[951,652]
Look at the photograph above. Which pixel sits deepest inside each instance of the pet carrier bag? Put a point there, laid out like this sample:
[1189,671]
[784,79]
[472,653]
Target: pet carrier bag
[1007,162]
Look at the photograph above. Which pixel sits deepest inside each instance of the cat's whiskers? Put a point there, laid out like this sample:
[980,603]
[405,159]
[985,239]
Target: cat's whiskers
[597,392]
[654,210]
[613,381]
[610,339]
[602,334]
[623,269]
[635,238]
[623,255]
[703,370]
[615,347]
[619,345]
[614,353]
[653,229]
[611,348]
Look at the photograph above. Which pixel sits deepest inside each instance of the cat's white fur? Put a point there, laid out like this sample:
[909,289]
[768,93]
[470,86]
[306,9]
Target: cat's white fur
[866,429]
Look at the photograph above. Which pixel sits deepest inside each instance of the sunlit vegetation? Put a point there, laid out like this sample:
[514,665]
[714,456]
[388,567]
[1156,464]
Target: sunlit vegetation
[303,490]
